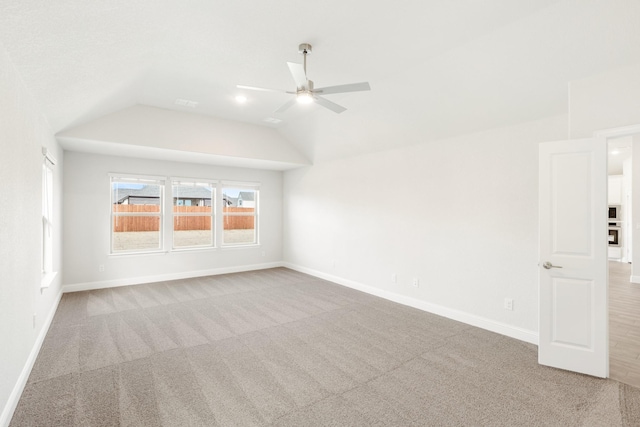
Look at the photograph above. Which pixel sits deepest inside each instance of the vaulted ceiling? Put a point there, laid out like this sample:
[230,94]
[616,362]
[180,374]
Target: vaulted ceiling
[436,68]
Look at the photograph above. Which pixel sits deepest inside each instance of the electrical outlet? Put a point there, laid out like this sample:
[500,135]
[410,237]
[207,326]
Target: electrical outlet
[508,304]
[333,263]
[394,278]
[416,282]
[101,268]
[264,253]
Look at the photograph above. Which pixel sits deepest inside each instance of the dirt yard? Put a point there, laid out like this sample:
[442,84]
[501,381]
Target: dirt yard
[150,239]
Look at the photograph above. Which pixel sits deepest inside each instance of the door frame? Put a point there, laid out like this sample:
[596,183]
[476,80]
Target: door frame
[607,134]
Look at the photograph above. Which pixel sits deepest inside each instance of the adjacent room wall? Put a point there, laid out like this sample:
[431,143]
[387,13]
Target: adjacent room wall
[460,215]
[87,217]
[23,133]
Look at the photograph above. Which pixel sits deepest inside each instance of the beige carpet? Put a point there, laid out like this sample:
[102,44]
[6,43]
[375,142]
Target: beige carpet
[276,347]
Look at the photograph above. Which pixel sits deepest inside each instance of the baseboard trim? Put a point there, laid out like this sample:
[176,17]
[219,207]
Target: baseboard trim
[89,286]
[634,279]
[470,319]
[14,397]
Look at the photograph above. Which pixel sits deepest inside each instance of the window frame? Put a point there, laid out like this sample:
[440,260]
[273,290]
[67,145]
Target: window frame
[47,221]
[214,194]
[137,179]
[236,185]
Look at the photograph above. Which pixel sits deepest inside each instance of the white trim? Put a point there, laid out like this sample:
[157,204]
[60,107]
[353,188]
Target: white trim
[615,132]
[233,246]
[47,279]
[240,185]
[161,182]
[634,279]
[194,180]
[470,319]
[48,156]
[18,388]
[136,178]
[88,286]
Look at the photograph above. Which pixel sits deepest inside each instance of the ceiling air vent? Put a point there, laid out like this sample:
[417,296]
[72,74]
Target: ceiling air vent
[186,103]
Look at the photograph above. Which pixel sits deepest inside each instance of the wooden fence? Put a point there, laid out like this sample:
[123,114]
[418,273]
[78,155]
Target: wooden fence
[180,222]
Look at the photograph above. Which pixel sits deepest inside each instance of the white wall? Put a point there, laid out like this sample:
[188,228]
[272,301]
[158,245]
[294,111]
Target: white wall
[23,132]
[459,214]
[87,210]
[608,100]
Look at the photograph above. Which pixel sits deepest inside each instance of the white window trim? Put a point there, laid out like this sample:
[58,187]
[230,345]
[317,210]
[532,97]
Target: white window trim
[47,267]
[137,179]
[214,203]
[166,220]
[236,185]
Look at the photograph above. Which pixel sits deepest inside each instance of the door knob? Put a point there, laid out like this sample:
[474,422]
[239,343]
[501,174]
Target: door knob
[548,265]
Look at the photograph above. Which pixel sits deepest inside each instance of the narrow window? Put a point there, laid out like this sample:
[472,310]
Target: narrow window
[136,214]
[193,214]
[240,215]
[47,218]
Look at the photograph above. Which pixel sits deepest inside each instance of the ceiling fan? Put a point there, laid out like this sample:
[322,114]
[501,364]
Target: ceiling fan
[305,93]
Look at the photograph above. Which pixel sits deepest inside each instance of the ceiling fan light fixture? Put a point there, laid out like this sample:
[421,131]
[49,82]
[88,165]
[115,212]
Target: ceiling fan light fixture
[304,98]
[305,92]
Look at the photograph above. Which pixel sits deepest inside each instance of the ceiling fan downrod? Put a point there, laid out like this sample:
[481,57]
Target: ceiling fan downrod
[305,49]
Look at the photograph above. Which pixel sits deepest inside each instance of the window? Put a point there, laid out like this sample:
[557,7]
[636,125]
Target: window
[193,214]
[47,219]
[240,214]
[136,214]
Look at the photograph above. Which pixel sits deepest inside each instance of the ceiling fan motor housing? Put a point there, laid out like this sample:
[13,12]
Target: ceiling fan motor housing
[304,48]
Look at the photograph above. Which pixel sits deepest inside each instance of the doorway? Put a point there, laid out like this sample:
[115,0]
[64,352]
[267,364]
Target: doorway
[573,257]
[624,296]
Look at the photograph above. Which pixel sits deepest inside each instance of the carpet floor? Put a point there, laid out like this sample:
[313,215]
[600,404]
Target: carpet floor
[277,347]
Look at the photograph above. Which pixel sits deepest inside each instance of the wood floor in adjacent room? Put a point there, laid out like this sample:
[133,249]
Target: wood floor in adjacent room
[624,325]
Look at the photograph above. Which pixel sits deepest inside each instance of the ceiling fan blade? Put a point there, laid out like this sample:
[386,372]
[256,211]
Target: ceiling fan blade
[262,89]
[330,105]
[284,107]
[298,74]
[353,87]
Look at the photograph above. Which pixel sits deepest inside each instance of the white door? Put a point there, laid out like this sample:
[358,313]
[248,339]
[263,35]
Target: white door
[573,256]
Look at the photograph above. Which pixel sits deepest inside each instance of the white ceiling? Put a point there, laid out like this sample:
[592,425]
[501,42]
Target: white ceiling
[619,150]
[436,68]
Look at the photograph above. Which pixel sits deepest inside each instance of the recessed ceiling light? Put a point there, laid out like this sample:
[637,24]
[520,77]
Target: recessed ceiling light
[615,152]
[241,99]
[272,120]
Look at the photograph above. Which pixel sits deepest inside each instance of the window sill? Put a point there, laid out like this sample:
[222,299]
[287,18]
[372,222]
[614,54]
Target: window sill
[134,254]
[47,280]
[240,246]
[185,250]
[194,249]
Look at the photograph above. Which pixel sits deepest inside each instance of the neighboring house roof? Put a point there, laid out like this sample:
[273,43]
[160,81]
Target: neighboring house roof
[151,191]
[192,193]
[246,195]
[148,191]
[231,201]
